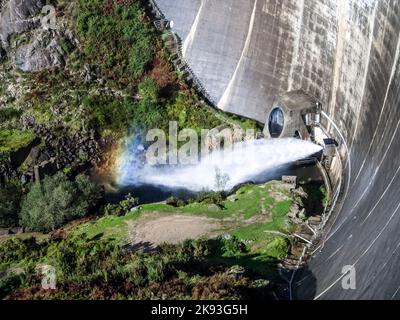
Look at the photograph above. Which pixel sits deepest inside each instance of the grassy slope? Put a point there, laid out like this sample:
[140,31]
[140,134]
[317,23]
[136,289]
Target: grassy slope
[256,214]
[13,140]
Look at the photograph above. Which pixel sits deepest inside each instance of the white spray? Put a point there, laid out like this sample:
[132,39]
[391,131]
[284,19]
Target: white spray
[223,169]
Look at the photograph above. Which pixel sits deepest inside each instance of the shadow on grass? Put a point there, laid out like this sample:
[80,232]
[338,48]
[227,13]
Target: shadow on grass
[140,247]
[256,265]
[273,279]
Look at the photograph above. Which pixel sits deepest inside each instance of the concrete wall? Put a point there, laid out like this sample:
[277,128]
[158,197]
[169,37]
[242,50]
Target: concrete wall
[346,53]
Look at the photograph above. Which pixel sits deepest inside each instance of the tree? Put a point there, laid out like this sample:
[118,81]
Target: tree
[58,200]
[10,197]
[148,90]
[221,180]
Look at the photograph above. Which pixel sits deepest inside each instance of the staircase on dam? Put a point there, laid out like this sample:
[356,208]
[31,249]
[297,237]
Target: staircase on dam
[174,45]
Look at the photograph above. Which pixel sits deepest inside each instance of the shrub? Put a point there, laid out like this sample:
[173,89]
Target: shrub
[10,197]
[116,37]
[15,250]
[155,268]
[175,202]
[7,114]
[8,284]
[148,90]
[100,269]
[216,198]
[325,196]
[57,201]
[233,247]
[137,272]
[107,113]
[81,258]
[190,113]
[140,56]
[278,248]
[172,201]
[197,249]
[121,208]
[148,114]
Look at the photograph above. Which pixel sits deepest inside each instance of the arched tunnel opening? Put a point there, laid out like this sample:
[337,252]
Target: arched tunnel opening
[276,122]
[346,55]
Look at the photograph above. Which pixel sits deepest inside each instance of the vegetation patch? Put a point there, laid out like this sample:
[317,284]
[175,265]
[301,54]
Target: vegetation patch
[14,140]
[10,205]
[118,37]
[251,219]
[100,269]
[56,201]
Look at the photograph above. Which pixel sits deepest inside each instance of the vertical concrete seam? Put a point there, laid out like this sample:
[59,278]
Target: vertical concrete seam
[339,55]
[190,37]
[223,102]
[295,58]
[366,72]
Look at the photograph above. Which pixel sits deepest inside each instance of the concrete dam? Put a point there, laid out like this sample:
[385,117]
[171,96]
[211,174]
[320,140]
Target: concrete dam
[344,54]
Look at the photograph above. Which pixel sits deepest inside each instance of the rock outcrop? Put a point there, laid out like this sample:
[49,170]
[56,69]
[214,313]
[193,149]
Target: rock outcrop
[43,49]
[43,52]
[18,16]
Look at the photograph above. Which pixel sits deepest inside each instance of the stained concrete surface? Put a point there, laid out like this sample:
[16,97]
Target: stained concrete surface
[346,54]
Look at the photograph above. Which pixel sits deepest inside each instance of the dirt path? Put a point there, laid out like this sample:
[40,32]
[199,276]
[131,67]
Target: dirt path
[152,230]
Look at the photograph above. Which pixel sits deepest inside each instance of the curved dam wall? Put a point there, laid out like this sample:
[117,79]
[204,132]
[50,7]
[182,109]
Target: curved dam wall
[346,54]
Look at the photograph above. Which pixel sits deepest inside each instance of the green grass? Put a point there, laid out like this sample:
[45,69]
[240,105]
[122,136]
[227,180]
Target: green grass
[277,248]
[260,235]
[250,202]
[109,227]
[280,212]
[247,202]
[13,140]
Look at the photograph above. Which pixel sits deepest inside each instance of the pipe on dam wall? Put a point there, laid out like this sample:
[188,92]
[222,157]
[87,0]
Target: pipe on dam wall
[346,54]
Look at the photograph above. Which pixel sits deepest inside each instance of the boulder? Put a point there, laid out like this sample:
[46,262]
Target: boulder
[44,49]
[3,232]
[35,153]
[18,16]
[16,230]
[42,53]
